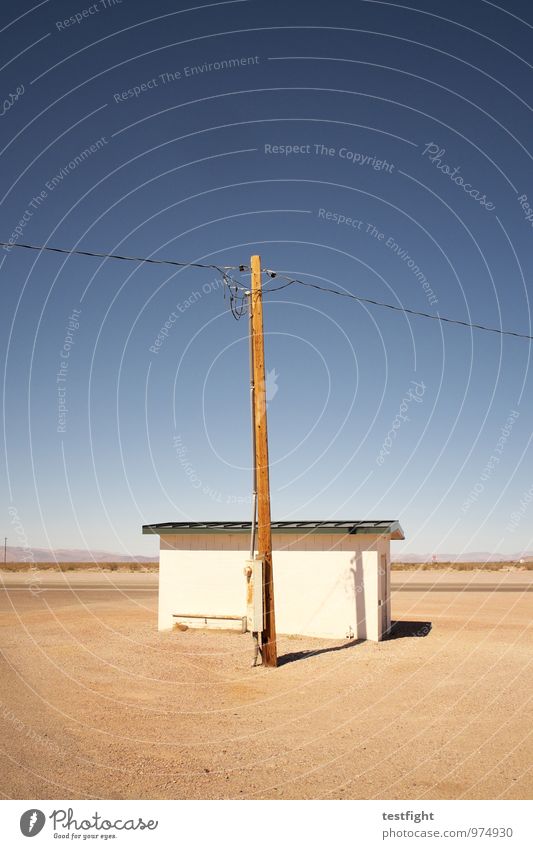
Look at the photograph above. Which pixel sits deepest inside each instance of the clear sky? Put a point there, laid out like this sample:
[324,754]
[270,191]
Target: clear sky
[366,146]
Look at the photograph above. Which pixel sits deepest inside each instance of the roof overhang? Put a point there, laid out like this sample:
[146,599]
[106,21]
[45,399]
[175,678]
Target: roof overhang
[390,528]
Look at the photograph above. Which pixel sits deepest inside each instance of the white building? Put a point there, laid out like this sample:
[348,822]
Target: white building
[331,578]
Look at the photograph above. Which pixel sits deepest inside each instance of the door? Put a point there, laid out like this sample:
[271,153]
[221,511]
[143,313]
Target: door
[384,595]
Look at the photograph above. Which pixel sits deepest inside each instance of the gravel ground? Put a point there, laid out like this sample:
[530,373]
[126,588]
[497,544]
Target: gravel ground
[96,703]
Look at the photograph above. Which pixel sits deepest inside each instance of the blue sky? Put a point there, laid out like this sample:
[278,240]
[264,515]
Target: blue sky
[329,138]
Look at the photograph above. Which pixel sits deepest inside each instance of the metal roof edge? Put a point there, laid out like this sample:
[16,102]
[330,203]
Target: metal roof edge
[397,531]
[382,527]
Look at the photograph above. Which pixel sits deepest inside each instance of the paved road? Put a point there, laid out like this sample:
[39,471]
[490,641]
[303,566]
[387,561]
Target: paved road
[401,582]
[66,588]
[464,588]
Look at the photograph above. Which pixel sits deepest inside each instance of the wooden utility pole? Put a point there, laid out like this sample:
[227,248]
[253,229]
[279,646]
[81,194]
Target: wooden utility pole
[264,531]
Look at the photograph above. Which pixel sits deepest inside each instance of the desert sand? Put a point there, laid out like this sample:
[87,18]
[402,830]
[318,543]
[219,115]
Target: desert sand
[96,703]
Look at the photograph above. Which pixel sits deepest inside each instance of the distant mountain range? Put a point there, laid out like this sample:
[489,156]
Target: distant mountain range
[15,554]
[466,557]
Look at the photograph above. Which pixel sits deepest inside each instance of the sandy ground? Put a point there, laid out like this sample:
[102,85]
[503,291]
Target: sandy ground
[96,703]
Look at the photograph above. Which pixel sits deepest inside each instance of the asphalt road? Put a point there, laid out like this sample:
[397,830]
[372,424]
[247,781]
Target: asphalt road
[464,588]
[401,582]
[44,586]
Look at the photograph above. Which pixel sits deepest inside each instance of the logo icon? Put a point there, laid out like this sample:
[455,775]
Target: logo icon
[32,822]
[271,387]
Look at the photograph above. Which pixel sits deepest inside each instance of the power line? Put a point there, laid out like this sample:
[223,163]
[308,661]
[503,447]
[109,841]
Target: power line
[238,296]
[232,285]
[237,292]
[291,281]
[141,259]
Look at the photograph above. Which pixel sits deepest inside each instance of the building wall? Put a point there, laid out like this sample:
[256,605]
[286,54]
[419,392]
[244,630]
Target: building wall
[324,585]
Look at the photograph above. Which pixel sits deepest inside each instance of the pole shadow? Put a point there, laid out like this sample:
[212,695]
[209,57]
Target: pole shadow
[291,657]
